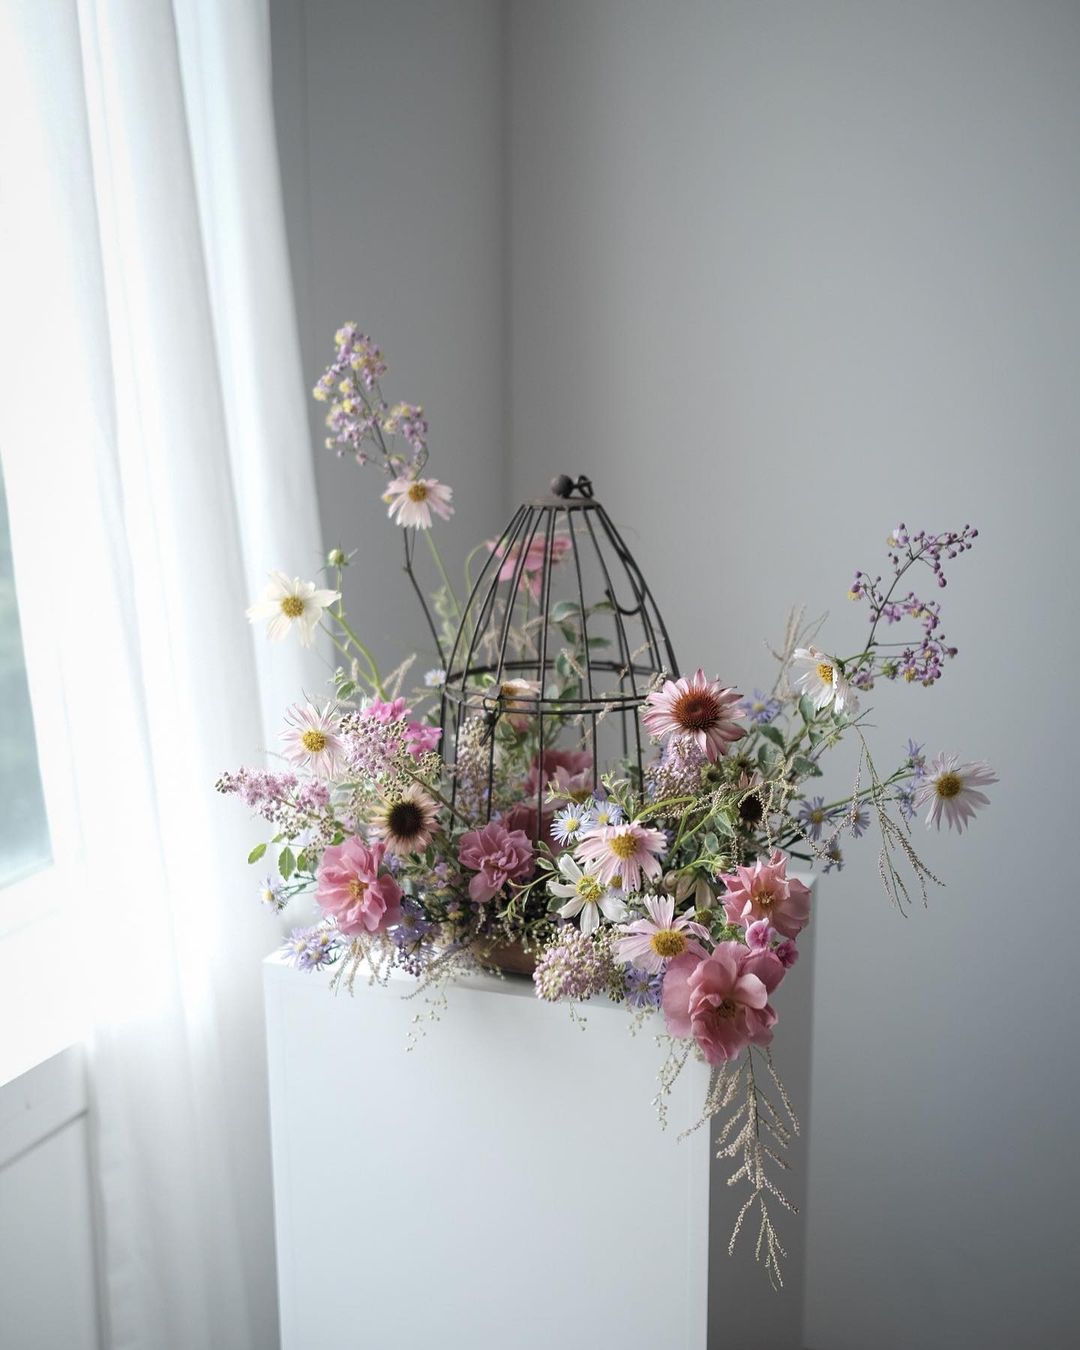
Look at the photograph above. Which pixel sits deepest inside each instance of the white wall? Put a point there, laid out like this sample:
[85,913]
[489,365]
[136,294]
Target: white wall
[390,129]
[782,275]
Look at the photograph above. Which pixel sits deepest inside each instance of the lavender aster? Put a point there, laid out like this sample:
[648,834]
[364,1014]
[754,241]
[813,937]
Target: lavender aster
[760,709]
[273,894]
[813,816]
[312,948]
[643,990]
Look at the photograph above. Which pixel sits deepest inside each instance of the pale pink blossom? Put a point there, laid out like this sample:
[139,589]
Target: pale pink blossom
[765,891]
[723,1000]
[497,855]
[621,853]
[351,890]
[952,789]
[652,942]
[286,602]
[695,711]
[412,500]
[311,739]
[532,569]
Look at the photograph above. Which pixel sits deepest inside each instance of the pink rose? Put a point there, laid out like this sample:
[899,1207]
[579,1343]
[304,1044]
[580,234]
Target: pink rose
[569,770]
[497,855]
[522,817]
[764,891]
[532,571]
[351,890]
[723,1000]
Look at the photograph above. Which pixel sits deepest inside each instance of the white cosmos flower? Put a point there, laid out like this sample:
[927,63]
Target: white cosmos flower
[587,896]
[286,602]
[820,679]
[952,789]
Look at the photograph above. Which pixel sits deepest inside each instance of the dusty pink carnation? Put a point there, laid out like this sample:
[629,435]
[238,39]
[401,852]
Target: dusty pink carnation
[497,855]
[723,1000]
[351,890]
[695,711]
[764,891]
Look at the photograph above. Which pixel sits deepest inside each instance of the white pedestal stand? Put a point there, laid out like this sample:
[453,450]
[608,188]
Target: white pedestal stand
[505,1185]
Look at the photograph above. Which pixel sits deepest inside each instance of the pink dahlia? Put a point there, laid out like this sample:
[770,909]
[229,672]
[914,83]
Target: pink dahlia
[351,890]
[723,1000]
[621,853]
[952,789]
[765,891]
[532,569]
[412,500]
[696,710]
[497,855]
[652,942]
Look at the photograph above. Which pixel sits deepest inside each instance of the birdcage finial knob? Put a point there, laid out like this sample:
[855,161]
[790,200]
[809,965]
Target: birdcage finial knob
[564,486]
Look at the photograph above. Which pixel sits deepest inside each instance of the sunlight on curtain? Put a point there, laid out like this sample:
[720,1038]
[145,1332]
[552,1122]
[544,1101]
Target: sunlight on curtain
[156,457]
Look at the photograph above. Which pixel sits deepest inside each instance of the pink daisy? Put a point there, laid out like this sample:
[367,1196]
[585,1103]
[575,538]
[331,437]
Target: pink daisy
[952,789]
[651,943]
[311,739]
[623,852]
[412,500]
[696,710]
[765,891]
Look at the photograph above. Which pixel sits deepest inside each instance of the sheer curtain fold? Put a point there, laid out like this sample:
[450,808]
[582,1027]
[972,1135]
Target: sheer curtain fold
[155,448]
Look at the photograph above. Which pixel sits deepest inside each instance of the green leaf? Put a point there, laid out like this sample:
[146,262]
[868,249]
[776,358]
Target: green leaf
[286,863]
[599,642]
[773,734]
[256,853]
[346,689]
[805,768]
[806,708]
[564,610]
[711,842]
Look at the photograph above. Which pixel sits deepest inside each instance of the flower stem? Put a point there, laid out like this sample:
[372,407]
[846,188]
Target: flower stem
[429,536]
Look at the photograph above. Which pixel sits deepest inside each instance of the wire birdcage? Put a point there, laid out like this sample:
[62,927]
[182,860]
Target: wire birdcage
[559,642]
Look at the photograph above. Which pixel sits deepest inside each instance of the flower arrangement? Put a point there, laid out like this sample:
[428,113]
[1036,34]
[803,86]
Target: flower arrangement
[668,885]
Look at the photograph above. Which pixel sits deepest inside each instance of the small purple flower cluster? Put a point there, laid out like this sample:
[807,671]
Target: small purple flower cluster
[312,948]
[677,772]
[286,801]
[643,990]
[575,967]
[922,663]
[760,709]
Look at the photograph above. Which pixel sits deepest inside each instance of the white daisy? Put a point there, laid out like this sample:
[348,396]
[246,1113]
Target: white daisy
[819,677]
[286,602]
[952,789]
[412,500]
[569,823]
[602,814]
[588,896]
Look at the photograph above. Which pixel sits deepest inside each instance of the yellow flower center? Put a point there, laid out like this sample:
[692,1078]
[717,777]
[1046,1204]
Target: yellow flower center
[314,742]
[624,846]
[949,785]
[825,672]
[589,889]
[668,942]
[292,606]
[357,888]
[418,492]
[763,899]
[817,816]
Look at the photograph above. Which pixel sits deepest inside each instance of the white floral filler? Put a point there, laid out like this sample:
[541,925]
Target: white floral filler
[671,894]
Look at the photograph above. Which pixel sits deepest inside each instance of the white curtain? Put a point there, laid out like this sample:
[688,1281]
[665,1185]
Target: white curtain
[157,462]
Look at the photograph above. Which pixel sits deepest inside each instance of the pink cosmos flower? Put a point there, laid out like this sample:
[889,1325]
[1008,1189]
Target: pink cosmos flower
[412,500]
[351,890]
[621,853]
[695,710]
[952,789]
[651,943]
[532,570]
[723,1000]
[764,891]
[497,855]
[311,739]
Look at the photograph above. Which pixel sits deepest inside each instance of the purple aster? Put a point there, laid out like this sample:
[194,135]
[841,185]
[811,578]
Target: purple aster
[273,894]
[834,857]
[414,926]
[312,948]
[916,760]
[905,800]
[760,709]
[643,990]
[813,816]
[859,820]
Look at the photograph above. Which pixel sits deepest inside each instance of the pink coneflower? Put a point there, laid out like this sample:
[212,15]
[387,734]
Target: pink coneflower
[765,891]
[952,789]
[696,710]
[651,943]
[620,853]
[412,500]
[311,739]
[407,821]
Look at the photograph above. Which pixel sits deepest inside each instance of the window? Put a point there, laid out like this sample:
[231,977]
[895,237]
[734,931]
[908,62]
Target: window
[24,829]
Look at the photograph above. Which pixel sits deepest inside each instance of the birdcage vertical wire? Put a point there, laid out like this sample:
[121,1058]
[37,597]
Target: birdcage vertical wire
[561,637]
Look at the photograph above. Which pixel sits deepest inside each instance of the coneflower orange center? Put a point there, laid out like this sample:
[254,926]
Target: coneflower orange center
[949,785]
[696,710]
[668,942]
[292,606]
